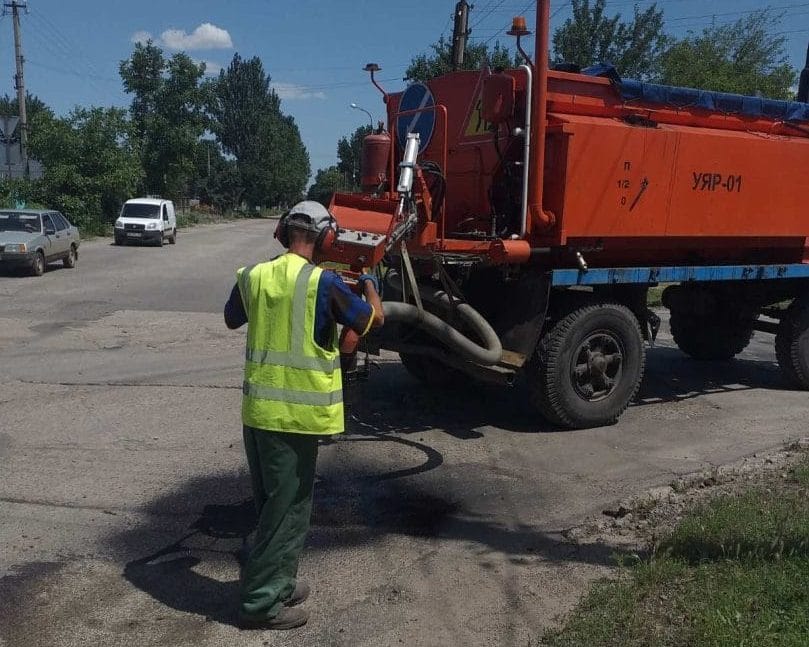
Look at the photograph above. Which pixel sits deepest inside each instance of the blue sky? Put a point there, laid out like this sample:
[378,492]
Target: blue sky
[314,50]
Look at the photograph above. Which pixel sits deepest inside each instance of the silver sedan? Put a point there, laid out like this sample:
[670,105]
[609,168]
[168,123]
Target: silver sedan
[32,239]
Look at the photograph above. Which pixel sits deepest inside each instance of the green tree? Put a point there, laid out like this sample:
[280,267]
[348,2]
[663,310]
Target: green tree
[240,98]
[168,113]
[217,180]
[246,117]
[223,188]
[36,109]
[428,66]
[290,160]
[33,106]
[349,155]
[91,163]
[590,36]
[746,57]
[209,164]
[327,182]
[142,74]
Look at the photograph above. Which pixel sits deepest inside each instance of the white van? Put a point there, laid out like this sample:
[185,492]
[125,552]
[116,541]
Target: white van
[146,220]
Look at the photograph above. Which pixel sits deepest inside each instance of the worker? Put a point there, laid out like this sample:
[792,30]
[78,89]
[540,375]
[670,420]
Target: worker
[292,397]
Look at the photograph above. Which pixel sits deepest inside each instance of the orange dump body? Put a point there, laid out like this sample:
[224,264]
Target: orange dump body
[627,183]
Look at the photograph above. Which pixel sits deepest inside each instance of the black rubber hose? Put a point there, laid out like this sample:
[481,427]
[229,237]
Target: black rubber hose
[487,354]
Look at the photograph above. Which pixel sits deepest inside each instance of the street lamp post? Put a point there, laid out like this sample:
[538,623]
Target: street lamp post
[370,116]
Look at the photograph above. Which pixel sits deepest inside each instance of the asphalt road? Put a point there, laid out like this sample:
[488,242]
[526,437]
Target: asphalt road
[438,518]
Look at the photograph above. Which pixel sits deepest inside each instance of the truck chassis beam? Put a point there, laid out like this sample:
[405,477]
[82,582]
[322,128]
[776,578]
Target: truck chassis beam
[677,274]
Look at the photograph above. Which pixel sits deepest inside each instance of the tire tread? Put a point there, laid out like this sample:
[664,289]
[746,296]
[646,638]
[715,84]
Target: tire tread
[705,338]
[788,344]
[546,394]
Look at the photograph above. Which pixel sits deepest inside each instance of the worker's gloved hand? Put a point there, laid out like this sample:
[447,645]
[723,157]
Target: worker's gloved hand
[368,277]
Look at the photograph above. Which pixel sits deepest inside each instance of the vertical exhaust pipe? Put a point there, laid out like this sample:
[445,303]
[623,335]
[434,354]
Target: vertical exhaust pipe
[803,87]
[539,218]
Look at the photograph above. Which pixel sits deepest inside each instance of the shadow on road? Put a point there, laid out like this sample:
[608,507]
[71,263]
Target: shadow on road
[395,402]
[360,498]
[169,574]
[673,376]
[356,504]
[22,271]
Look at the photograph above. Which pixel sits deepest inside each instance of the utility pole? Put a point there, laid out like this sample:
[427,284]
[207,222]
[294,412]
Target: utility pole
[19,79]
[460,33]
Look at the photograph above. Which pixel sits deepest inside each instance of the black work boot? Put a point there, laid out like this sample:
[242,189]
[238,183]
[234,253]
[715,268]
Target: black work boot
[299,595]
[287,618]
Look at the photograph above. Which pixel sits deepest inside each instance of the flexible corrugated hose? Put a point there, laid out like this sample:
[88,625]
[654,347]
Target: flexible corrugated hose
[487,354]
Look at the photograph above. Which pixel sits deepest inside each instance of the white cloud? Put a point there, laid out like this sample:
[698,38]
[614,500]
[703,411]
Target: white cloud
[206,36]
[292,91]
[141,37]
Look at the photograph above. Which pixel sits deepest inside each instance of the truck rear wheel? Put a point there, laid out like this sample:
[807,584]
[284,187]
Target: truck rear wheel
[711,337]
[588,367]
[792,344]
[710,323]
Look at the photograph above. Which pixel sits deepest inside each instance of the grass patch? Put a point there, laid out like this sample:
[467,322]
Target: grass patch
[654,297]
[734,572]
[759,524]
[206,216]
[93,230]
[800,474]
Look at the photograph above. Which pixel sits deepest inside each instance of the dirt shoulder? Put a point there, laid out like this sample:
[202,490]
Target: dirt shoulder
[636,524]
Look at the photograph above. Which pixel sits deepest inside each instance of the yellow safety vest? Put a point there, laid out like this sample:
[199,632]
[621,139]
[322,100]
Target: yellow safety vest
[291,384]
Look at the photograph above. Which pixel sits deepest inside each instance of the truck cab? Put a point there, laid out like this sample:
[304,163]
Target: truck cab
[150,220]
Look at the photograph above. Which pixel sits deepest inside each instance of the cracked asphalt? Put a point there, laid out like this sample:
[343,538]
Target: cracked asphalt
[438,519]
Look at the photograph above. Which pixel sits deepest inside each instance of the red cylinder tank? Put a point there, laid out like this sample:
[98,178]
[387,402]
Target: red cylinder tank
[374,168]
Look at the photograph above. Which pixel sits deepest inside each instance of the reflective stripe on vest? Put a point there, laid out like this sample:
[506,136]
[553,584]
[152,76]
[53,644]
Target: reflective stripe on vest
[291,383]
[278,358]
[242,278]
[293,397]
[298,336]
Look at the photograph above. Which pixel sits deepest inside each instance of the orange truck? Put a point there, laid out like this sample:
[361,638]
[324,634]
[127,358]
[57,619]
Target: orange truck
[520,216]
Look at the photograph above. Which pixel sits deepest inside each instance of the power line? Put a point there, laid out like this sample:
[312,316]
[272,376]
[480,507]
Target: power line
[446,26]
[52,40]
[61,70]
[486,6]
[738,13]
[708,18]
[484,16]
[72,51]
[503,29]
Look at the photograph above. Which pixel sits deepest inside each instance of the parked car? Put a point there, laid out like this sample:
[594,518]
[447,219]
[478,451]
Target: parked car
[32,238]
[145,220]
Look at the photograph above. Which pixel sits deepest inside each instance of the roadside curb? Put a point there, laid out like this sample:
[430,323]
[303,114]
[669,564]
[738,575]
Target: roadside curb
[626,525]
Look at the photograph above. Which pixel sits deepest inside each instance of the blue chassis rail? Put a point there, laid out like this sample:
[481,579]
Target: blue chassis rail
[677,274]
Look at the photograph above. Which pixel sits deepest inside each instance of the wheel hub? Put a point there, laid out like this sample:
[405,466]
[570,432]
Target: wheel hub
[597,366]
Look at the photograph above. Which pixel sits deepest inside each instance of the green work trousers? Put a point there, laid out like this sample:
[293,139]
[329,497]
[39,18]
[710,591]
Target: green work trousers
[282,468]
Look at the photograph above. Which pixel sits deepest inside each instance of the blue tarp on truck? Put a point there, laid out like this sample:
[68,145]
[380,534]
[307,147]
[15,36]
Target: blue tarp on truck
[723,102]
